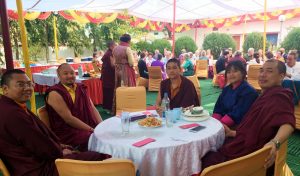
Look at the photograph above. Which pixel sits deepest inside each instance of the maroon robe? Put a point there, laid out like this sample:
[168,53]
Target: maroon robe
[108,80]
[186,96]
[260,124]
[81,108]
[27,146]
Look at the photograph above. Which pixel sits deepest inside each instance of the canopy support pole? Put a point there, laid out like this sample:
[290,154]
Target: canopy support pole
[265,28]
[55,38]
[196,35]
[6,37]
[25,49]
[173,28]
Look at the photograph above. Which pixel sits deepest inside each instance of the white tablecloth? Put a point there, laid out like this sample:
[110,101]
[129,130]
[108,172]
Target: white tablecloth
[50,79]
[166,156]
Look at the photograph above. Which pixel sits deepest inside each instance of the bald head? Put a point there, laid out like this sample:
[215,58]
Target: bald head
[66,74]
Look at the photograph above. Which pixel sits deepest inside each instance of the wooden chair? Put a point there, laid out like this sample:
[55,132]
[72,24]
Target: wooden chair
[130,99]
[110,167]
[297,115]
[253,74]
[155,78]
[196,83]
[281,168]
[249,165]
[140,81]
[3,169]
[215,81]
[202,68]
[43,115]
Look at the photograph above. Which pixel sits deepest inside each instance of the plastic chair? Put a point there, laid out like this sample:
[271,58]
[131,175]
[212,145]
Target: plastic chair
[249,165]
[202,68]
[3,169]
[297,115]
[155,78]
[111,167]
[196,83]
[253,74]
[130,99]
[43,115]
[281,168]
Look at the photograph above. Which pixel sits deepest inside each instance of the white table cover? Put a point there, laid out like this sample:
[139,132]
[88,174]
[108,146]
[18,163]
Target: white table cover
[175,152]
[50,79]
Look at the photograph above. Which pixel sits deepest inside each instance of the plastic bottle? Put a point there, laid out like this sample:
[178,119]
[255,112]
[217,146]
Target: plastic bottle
[165,104]
[80,71]
[122,83]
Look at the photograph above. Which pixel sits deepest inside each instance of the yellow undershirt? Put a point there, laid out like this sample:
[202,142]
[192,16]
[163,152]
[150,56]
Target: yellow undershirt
[71,91]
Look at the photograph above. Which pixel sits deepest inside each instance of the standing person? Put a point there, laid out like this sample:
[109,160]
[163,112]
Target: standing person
[108,77]
[123,59]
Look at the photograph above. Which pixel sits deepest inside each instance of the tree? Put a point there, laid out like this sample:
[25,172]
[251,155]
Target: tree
[291,41]
[160,44]
[77,39]
[186,43]
[15,37]
[216,42]
[253,40]
[141,45]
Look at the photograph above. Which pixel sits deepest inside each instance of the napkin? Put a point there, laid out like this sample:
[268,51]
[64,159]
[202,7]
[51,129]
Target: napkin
[147,113]
[143,142]
[137,117]
[189,125]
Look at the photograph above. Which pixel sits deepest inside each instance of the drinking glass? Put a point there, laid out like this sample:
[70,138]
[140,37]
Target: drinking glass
[125,121]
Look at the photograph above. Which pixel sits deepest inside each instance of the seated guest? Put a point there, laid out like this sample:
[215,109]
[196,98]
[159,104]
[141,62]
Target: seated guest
[279,56]
[160,64]
[292,67]
[27,146]
[143,70]
[238,57]
[270,120]
[187,65]
[149,59]
[72,114]
[181,91]
[236,98]
[222,62]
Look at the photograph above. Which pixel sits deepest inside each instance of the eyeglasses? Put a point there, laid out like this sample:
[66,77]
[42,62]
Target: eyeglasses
[23,85]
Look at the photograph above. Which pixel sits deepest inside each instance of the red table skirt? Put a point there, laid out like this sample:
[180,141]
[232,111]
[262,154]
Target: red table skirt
[94,89]
[38,69]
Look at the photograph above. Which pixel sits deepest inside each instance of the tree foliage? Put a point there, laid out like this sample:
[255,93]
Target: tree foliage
[141,45]
[186,43]
[216,42]
[160,44]
[253,40]
[291,41]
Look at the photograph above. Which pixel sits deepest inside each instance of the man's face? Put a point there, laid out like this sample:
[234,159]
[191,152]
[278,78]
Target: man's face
[269,76]
[173,71]
[291,60]
[19,88]
[250,52]
[66,75]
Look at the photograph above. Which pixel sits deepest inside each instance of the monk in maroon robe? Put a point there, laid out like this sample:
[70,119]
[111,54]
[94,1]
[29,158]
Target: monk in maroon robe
[269,121]
[27,146]
[72,115]
[181,91]
[108,77]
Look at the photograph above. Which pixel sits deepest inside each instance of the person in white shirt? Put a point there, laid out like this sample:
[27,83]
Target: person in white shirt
[292,67]
[150,59]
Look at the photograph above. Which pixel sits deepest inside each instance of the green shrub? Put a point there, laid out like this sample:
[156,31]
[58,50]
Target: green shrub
[186,43]
[141,45]
[160,44]
[291,41]
[253,40]
[216,42]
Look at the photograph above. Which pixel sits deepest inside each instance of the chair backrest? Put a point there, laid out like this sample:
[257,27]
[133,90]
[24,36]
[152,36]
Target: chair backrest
[297,115]
[155,77]
[215,81]
[249,165]
[202,68]
[43,115]
[253,73]
[3,169]
[130,99]
[280,160]
[196,83]
[110,167]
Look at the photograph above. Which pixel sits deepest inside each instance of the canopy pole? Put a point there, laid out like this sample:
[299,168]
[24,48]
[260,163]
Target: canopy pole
[6,38]
[244,29]
[265,28]
[173,28]
[196,34]
[55,38]
[25,49]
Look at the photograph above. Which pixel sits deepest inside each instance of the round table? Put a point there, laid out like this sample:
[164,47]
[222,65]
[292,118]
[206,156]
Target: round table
[176,151]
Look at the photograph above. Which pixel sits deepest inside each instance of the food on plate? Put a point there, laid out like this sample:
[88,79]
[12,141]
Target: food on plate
[197,110]
[150,122]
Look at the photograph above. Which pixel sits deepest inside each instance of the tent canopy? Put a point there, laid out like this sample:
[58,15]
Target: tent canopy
[187,11]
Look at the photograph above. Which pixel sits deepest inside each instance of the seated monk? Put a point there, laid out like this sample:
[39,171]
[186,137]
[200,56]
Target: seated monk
[236,98]
[181,91]
[270,120]
[72,115]
[27,146]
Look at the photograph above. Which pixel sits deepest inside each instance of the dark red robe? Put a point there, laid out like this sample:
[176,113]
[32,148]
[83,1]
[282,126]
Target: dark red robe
[81,108]
[186,96]
[27,146]
[271,110]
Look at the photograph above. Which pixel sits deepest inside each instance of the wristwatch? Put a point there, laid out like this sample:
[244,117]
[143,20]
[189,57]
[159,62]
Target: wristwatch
[277,143]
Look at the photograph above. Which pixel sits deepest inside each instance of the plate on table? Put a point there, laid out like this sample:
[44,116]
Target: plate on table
[197,119]
[150,122]
[188,113]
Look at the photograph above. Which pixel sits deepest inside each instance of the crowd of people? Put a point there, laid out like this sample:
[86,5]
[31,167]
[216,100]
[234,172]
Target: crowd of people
[250,121]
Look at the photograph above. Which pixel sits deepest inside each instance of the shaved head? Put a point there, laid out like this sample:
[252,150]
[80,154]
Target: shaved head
[66,74]
[63,67]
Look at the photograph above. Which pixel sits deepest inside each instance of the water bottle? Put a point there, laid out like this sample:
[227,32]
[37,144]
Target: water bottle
[165,104]
[80,71]
[122,83]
